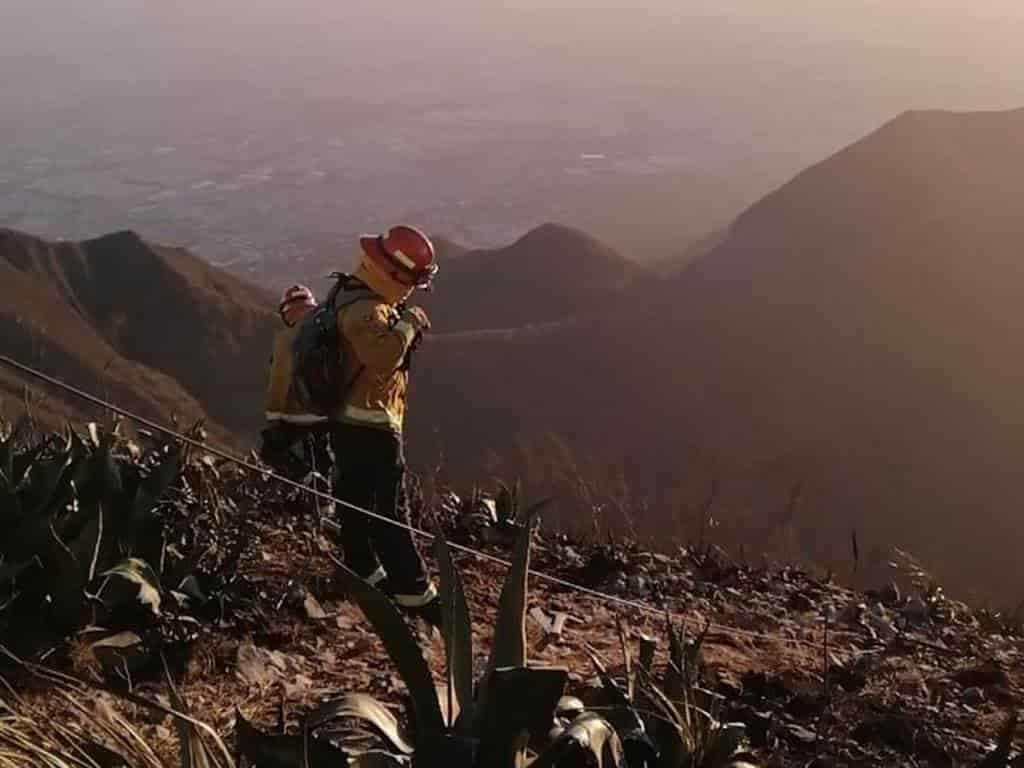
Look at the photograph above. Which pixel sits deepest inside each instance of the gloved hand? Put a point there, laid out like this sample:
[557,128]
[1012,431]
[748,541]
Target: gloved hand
[417,318]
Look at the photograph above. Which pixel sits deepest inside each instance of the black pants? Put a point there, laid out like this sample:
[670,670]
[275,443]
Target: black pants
[295,450]
[369,472]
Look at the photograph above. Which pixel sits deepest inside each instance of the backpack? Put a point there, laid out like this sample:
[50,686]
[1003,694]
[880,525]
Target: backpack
[317,356]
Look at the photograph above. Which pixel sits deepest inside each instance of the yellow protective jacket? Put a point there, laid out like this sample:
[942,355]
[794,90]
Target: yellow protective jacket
[281,404]
[375,342]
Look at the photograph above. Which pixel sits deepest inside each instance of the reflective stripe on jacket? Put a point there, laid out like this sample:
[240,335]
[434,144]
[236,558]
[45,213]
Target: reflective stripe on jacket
[280,403]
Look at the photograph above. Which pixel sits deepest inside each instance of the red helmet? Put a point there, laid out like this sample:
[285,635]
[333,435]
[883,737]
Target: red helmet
[405,253]
[295,303]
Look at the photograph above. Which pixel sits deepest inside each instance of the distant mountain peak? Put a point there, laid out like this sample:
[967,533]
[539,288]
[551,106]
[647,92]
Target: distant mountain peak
[551,273]
[553,233]
[122,238]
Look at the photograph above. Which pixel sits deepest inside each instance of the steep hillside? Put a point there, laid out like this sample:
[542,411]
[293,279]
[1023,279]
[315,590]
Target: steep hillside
[551,273]
[868,313]
[271,625]
[154,327]
[650,217]
[447,249]
[880,286]
[846,357]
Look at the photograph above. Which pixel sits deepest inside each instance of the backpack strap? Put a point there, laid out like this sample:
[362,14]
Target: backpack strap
[342,282]
[348,284]
[355,290]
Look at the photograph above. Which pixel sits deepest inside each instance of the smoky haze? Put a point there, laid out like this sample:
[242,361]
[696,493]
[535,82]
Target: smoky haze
[471,119]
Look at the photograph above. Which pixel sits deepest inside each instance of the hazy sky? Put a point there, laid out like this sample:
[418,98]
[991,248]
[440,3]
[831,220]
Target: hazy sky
[777,82]
[88,42]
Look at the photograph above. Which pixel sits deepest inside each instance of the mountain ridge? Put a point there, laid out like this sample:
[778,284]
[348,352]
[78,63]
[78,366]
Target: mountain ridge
[551,273]
[843,359]
[145,321]
[845,354]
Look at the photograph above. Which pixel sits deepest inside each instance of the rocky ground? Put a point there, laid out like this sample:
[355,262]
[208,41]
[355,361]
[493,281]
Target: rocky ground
[821,675]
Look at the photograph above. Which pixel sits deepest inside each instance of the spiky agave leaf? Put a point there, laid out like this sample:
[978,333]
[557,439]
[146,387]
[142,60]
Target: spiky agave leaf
[648,646]
[458,634]
[590,739]
[671,727]
[130,581]
[692,655]
[508,651]
[507,503]
[674,749]
[46,490]
[519,702]
[628,719]
[362,707]
[509,647]
[67,567]
[689,735]
[284,751]
[152,489]
[99,476]
[449,704]
[75,446]
[674,683]
[401,647]
[23,461]
[119,653]
[627,656]
[640,750]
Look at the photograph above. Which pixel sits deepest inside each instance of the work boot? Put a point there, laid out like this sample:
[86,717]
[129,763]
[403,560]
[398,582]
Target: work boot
[426,605]
[430,613]
[378,579]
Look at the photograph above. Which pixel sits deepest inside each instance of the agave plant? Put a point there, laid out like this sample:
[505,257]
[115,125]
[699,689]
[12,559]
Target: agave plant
[483,516]
[674,724]
[464,722]
[84,542]
[504,511]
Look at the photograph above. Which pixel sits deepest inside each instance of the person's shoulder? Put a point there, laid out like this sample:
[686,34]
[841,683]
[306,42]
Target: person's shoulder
[362,298]
[365,309]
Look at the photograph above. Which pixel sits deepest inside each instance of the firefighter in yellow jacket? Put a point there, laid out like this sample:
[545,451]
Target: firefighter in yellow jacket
[378,333]
[294,440]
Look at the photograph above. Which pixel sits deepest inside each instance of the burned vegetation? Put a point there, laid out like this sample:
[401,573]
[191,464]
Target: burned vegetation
[161,607]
